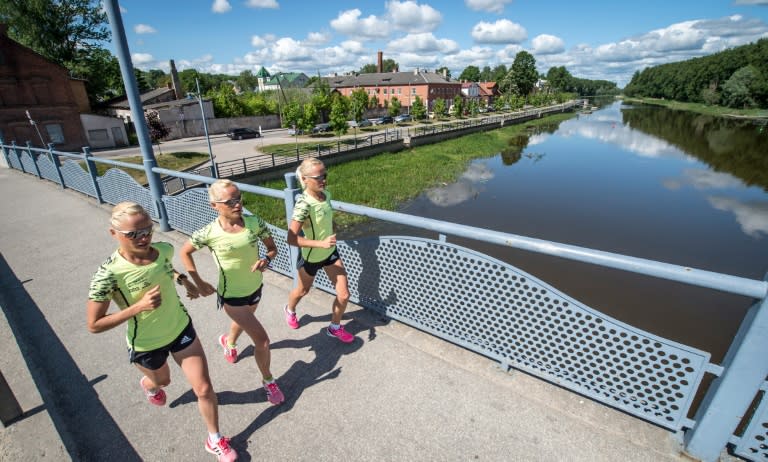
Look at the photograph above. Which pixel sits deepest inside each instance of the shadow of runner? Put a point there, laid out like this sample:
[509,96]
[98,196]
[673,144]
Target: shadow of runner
[85,426]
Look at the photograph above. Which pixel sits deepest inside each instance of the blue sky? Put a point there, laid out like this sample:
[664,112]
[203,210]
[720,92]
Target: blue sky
[596,39]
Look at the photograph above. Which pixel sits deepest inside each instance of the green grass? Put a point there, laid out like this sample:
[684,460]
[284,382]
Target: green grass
[387,180]
[702,108]
[179,161]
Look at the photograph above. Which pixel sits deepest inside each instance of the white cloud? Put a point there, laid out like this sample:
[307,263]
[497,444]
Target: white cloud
[751,216]
[412,17]
[502,31]
[424,43]
[263,41]
[507,54]
[141,58]
[545,44]
[492,6]
[144,29]
[707,179]
[318,38]
[123,10]
[221,6]
[751,2]
[262,4]
[476,56]
[349,23]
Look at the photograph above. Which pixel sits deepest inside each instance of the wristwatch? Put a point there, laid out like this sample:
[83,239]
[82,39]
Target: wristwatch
[180,278]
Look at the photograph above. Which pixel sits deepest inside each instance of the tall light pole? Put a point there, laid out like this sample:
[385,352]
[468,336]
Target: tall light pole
[34,124]
[205,128]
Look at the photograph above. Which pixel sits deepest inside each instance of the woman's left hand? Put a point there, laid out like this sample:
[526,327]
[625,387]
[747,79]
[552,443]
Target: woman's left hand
[192,292]
[260,265]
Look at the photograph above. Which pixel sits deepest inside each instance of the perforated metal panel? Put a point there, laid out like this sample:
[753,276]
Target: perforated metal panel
[117,186]
[27,161]
[14,159]
[76,178]
[753,444]
[47,169]
[504,313]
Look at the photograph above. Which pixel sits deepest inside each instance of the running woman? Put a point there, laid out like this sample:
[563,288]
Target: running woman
[313,215]
[233,240]
[139,277]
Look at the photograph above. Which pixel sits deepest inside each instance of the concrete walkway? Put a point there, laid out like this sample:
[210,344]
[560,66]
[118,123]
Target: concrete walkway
[395,394]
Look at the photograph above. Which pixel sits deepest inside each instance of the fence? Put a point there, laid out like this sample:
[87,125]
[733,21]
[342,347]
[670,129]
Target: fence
[497,310]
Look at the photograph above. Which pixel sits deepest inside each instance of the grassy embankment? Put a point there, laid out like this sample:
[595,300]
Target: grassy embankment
[719,111]
[389,179]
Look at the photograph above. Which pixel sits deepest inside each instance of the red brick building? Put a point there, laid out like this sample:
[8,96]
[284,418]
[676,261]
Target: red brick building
[31,83]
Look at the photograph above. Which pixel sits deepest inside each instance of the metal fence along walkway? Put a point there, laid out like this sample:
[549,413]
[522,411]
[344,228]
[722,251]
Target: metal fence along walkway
[498,310]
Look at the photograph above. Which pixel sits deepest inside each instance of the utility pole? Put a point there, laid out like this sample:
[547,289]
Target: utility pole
[34,124]
[205,128]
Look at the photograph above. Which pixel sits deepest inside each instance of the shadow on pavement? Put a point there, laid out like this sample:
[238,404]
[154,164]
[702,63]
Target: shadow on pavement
[83,423]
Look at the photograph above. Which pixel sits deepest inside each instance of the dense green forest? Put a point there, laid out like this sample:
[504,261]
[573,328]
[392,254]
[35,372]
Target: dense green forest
[736,78]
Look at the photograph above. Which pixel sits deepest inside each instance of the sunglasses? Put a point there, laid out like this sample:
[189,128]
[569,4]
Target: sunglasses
[322,177]
[137,234]
[230,202]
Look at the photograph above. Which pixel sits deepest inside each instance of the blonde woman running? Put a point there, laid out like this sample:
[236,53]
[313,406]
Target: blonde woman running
[139,278]
[313,215]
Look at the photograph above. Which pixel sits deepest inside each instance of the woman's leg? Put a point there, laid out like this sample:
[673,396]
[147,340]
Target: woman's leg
[302,289]
[337,274]
[242,316]
[234,332]
[193,363]
[155,378]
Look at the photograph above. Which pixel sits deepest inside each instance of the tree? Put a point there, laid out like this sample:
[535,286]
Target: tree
[486,75]
[246,81]
[394,107]
[141,82]
[310,117]
[559,78]
[498,73]
[321,97]
[338,118]
[226,103]
[737,90]
[523,75]
[418,110]
[471,74]
[445,70]
[439,108]
[102,73]
[458,106]
[359,102]
[292,114]
[388,65]
[157,129]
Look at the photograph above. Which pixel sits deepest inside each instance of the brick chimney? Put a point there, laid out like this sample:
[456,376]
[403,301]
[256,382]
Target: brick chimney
[176,81]
[380,62]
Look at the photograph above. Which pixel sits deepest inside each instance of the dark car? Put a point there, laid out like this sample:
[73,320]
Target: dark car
[321,128]
[403,118]
[242,133]
[381,120]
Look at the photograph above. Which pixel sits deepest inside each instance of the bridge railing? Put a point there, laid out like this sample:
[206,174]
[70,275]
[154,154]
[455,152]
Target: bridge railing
[498,310]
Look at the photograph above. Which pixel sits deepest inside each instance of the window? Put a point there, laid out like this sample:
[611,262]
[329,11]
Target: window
[399,91]
[385,91]
[98,135]
[55,133]
[413,91]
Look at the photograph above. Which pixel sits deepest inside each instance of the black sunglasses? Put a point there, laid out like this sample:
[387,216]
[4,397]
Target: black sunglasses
[137,234]
[230,202]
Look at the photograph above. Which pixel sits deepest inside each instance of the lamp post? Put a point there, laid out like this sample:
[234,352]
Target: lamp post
[205,128]
[32,122]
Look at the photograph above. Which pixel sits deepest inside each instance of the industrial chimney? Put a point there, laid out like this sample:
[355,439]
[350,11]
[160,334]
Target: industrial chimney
[176,82]
[380,62]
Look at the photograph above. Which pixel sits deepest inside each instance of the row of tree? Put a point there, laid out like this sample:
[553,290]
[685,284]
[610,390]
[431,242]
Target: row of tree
[736,78]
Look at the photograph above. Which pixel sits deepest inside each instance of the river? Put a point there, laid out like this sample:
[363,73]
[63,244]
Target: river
[642,181]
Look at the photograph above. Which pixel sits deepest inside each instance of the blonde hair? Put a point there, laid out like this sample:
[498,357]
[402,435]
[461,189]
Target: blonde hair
[217,186]
[305,167]
[126,209]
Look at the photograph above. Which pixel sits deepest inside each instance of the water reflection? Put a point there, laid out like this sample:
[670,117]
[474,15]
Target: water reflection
[704,179]
[468,186]
[752,216]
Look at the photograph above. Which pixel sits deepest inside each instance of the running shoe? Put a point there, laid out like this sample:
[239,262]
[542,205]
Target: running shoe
[340,334]
[290,318]
[274,395]
[158,399]
[230,354]
[222,450]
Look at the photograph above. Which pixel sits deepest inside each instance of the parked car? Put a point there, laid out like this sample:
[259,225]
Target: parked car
[382,120]
[242,133]
[295,131]
[403,118]
[321,128]
[362,123]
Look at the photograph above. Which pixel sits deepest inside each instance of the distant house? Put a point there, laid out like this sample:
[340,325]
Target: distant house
[119,107]
[470,90]
[489,91]
[405,86]
[281,79]
[34,89]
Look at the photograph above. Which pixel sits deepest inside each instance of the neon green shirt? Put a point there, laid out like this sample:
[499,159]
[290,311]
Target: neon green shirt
[234,254]
[316,219]
[123,282]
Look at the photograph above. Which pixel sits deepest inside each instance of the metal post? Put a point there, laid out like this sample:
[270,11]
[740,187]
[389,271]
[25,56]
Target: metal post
[290,192]
[34,162]
[5,153]
[729,396]
[137,111]
[205,128]
[56,164]
[15,150]
[93,173]
[9,406]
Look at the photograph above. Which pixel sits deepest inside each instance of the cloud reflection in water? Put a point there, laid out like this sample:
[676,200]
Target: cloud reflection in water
[752,216]
[464,189]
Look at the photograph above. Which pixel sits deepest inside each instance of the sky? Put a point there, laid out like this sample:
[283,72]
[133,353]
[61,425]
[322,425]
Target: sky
[596,39]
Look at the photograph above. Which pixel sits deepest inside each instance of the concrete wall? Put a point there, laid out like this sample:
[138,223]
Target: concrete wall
[103,131]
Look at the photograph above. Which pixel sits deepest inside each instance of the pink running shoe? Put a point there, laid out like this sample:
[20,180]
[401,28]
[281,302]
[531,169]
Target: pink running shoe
[222,450]
[290,318]
[274,395]
[340,334]
[230,354]
[158,399]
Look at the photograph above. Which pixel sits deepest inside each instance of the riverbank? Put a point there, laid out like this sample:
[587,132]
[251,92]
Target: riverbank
[387,180]
[719,111]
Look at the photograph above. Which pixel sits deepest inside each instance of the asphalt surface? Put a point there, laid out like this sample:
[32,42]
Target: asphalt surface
[395,394]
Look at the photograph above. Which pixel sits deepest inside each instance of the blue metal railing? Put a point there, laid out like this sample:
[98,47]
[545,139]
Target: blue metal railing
[511,316]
